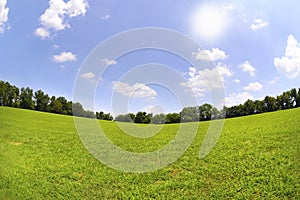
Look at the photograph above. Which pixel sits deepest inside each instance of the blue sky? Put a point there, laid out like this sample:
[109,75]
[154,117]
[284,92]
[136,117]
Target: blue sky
[255,46]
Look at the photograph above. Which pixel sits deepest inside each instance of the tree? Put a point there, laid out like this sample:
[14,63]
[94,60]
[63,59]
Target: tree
[4,87]
[57,107]
[249,107]
[104,116]
[12,95]
[69,108]
[235,111]
[159,119]
[258,106]
[125,117]
[108,116]
[293,94]
[190,114]
[287,100]
[142,117]
[298,98]
[100,115]
[16,97]
[64,103]
[9,94]
[41,101]
[270,104]
[132,116]
[79,111]
[51,105]
[216,114]
[205,112]
[173,118]
[26,100]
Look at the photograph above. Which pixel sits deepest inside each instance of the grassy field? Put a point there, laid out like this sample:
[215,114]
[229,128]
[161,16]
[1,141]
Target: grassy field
[256,157]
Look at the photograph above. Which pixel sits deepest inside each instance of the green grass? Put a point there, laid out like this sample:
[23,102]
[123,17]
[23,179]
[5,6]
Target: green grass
[256,157]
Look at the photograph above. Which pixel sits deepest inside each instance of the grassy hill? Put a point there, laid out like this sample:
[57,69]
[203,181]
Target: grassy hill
[256,157]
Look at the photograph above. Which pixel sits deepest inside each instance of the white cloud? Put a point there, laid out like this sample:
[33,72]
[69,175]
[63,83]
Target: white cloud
[247,67]
[256,86]
[137,90]
[3,15]
[236,99]
[207,55]
[258,24]
[88,75]
[289,64]
[202,80]
[108,61]
[276,79]
[237,80]
[54,17]
[42,33]
[106,17]
[154,109]
[64,57]
[76,7]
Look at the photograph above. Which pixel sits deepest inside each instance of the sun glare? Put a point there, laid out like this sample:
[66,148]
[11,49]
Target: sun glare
[209,22]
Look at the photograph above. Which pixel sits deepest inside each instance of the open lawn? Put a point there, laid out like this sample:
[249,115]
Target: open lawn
[256,157]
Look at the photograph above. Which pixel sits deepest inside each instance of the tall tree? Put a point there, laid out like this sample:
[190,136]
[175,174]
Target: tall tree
[16,96]
[270,104]
[125,117]
[64,104]
[142,117]
[293,94]
[190,114]
[51,104]
[69,108]
[249,107]
[258,106]
[159,119]
[100,115]
[3,93]
[26,98]
[78,110]
[57,107]
[287,99]
[215,113]
[104,116]
[172,118]
[298,98]
[41,101]
[205,111]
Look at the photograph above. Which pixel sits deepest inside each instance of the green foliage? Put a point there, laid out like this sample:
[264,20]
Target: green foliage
[41,101]
[142,117]
[256,157]
[104,116]
[172,118]
[205,112]
[190,114]
[159,119]
[79,111]
[125,118]
[26,98]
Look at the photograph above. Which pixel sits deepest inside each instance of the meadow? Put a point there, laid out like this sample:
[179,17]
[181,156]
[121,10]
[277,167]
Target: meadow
[256,157]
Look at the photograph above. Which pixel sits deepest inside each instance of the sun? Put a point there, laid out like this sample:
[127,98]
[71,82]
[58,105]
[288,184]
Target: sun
[209,22]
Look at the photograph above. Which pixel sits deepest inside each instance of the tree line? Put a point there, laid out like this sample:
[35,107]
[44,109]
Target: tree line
[205,112]
[26,98]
